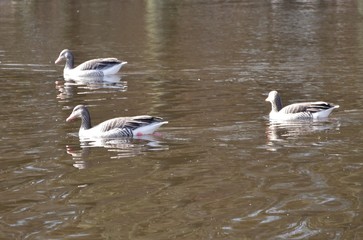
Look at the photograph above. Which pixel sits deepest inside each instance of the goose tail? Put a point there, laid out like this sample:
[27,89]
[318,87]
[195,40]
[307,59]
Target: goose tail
[148,129]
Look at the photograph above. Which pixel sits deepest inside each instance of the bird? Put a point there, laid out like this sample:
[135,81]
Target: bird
[92,68]
[298,111]
[115,127]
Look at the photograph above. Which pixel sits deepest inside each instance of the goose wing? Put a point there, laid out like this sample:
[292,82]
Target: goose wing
[130,123]
[310,107]
[98,64]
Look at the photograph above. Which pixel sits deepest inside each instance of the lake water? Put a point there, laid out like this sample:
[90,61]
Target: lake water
[219,169]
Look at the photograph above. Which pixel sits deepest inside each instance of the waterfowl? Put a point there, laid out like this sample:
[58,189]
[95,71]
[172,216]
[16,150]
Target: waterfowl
[92,68]
[297,111]
[115,127]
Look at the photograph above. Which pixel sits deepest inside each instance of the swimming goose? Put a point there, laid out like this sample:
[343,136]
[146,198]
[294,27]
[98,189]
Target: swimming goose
[93,68]
[116,127]
[297,111]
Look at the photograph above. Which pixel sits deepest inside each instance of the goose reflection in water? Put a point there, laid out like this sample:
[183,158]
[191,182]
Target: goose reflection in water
[94,79]
[283,131]
[71,85]
[122,147]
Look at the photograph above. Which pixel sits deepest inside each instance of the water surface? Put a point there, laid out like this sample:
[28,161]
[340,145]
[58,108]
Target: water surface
[219,169]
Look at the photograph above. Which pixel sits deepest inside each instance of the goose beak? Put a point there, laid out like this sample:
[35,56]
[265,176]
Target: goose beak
[58,60]
[70,118]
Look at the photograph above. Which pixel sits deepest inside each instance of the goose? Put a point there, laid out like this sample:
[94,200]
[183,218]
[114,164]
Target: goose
[92,68]
[298,111]
[115,127]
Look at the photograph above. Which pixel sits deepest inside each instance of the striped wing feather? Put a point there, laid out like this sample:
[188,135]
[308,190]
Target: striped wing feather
[128,122]
[98,64]
[311,107]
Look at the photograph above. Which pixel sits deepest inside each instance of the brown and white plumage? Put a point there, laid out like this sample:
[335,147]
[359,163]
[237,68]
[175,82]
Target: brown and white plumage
[92,68]
[296,111]
[115,127]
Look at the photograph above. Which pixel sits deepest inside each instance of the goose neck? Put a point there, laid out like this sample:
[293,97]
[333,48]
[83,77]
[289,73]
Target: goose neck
[277,104]
[86,120]
[69,62]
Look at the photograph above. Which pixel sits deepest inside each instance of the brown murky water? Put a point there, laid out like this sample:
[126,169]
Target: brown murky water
[219,169]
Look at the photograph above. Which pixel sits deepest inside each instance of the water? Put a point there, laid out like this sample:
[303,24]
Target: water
[219,169]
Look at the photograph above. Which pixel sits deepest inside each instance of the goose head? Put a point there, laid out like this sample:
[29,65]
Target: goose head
[80,111]
[275,100]
[65,55]
[272,96]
